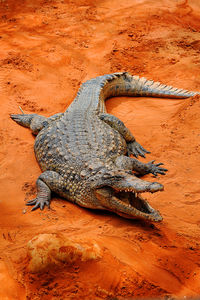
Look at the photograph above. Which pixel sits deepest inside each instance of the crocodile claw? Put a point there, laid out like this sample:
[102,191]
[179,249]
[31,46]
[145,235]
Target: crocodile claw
[38,203]
[136,149]
[155,169]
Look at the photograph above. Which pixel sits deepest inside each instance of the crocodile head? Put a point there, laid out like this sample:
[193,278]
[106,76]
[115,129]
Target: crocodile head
[120,191]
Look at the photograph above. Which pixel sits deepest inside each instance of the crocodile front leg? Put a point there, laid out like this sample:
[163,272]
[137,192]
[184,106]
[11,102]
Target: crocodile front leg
[133,147]
[33,121]
[128,163]
[47,182]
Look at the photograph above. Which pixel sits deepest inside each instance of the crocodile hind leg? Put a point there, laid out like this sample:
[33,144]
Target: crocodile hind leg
[133,147]
[48,181]
[33,121]
[128,163]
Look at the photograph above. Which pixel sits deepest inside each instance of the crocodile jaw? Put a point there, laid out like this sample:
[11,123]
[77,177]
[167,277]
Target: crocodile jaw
[127,203]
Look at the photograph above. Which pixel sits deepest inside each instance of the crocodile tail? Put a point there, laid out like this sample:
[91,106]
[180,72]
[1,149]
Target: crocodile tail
[140,86]
[93,92]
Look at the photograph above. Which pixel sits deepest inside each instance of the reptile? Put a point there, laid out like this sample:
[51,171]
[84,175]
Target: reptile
[90,157]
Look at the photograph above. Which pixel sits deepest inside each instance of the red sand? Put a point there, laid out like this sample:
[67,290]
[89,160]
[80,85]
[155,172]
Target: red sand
[48,48]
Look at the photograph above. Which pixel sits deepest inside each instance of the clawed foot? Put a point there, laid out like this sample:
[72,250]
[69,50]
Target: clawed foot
[38,203]
[22,119]
[136,149]
[16,118]
[155,169]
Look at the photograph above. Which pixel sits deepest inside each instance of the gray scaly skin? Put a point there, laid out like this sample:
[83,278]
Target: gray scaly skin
[84,153]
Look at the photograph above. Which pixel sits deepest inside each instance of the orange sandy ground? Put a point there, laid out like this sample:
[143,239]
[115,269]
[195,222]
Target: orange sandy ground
[48,48]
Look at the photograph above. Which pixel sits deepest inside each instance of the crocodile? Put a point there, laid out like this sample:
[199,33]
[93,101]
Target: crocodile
[90,157]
